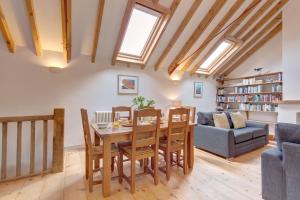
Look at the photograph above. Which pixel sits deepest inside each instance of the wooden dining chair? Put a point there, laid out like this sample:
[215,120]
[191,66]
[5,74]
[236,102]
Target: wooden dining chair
[176,139]
[192,113]
[121,109]
[145,140]
[93,153]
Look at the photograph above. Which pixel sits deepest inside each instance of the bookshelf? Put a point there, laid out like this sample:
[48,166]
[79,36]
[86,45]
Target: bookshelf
[261,93]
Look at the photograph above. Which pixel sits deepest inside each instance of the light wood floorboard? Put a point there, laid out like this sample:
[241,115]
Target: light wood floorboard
[213,178]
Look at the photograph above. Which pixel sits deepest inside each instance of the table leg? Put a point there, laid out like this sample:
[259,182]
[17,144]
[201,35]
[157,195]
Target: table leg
[97,143]
[106,166]
[191,147]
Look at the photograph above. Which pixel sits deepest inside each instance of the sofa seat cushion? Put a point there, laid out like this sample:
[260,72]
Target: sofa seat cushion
[243,134]
[258,132]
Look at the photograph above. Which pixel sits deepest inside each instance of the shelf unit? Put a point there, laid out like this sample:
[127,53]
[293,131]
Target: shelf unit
[260,93]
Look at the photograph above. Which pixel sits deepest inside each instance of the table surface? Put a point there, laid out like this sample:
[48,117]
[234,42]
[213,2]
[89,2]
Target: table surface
[122,130]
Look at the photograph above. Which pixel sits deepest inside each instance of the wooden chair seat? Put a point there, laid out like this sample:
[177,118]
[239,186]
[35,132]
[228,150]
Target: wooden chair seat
[98,151]
[174,144]
[141,152]
[123,144]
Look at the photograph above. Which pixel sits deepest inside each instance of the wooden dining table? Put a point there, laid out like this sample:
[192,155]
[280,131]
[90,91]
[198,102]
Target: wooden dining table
[114,135]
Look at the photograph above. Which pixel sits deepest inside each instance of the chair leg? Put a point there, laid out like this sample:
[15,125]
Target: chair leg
[155,169]
[178,157]
[86,165]
[185,164]
[141,163]
[168,165]
[90,179]
[153,162]
[145,165]
[120,167]
[132,180]
[112,166]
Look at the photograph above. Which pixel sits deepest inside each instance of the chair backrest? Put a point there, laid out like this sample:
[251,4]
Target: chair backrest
[86,129]
[121,109]
[178,124]
[146,127]
[192,113]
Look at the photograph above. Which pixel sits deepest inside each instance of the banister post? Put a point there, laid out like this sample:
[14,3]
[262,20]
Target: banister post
[58,140]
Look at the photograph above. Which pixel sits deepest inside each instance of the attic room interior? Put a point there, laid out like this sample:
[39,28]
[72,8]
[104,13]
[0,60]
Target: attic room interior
[203,99]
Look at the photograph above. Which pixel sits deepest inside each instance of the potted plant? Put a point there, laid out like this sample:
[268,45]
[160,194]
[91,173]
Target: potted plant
[140,102]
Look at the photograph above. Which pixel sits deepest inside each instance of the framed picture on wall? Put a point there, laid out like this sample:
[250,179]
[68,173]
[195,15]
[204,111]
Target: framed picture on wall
[128,84]
[198,89]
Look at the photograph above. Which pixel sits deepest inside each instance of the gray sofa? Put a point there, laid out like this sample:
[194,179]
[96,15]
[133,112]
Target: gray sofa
[229,142]
[281,165]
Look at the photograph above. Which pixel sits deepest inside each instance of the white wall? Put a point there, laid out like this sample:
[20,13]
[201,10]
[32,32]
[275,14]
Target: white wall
[291,50]
[29,88]
[269,57]
[291,62]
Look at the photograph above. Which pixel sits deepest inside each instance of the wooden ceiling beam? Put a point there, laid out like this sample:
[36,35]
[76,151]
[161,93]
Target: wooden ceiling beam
[233,27]
[125,21]
[178,32]
[211,14]
[265,19]
[34,31]
[256,47]
[6,33]
[101,4]
[66,28]
[266,29]
[213,33]
[155,1]
[262,10]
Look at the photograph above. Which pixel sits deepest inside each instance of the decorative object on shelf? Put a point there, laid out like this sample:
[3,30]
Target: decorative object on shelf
[128,84]
[198,89]
[140,102]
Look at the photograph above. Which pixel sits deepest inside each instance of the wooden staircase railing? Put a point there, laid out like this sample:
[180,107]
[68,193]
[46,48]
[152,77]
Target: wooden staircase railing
[57,151]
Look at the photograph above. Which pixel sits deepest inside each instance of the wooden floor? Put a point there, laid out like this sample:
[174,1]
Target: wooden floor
[212,178]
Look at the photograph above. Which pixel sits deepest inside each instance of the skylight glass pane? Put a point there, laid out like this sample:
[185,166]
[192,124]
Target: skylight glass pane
[138,31]
[222,48]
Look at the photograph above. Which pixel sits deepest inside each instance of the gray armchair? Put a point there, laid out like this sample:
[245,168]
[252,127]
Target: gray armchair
[281,165]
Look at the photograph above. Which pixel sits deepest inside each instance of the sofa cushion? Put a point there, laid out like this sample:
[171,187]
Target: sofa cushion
[205,118]
[258,132]
[238,120]
[243,134]
[221,120]
[287,133]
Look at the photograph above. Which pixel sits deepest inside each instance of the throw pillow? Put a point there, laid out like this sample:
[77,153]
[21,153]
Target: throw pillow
[205,118]
[238,120]
[220,120]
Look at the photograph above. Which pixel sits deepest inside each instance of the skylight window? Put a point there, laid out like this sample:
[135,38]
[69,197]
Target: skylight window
[220,54]
[139,29]
[222,48]
[142,26]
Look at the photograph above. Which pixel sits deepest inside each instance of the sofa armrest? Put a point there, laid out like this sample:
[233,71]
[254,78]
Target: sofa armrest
[291,164]
[217,140]
[256,124]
